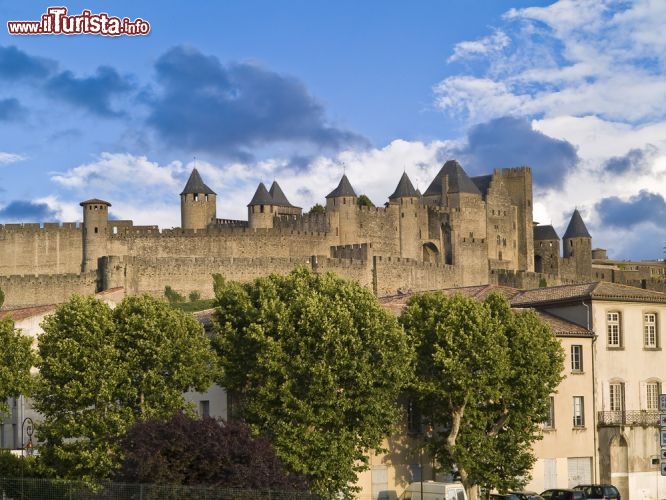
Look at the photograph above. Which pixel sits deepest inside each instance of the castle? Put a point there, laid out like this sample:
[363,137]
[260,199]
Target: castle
[461,231]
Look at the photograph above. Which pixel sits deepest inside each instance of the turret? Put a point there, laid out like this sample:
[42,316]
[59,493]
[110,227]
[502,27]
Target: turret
[197,203]
[95,232]
[578,246]
[261,209]
[281,203]
[342,211]
[546,250]
[406,199]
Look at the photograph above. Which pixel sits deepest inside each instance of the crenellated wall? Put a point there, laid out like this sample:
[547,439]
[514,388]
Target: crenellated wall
[50,248]
[31,290]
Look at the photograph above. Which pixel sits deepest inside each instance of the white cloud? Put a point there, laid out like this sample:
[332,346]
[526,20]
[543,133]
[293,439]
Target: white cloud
[8,158]
[487,45]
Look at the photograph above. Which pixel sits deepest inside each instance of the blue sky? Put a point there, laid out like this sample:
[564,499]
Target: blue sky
[302,91]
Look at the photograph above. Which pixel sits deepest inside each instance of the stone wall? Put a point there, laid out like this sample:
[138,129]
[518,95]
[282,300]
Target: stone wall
[28,291]
[34,249]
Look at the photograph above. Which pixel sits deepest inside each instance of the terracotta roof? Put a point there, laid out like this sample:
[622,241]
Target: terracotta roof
[561,327]
[26,312]
[597,290]
[196,185]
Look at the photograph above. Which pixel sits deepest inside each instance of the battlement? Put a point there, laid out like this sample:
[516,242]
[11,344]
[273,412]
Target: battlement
[36,227]
[354,252]
[515,171]
[229,223]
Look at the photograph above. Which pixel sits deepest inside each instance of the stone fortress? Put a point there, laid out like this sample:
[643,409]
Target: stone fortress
[461,231]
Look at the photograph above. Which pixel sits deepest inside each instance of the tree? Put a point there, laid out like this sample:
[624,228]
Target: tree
[483,376]
[102,370]
[317,365]
[188,451]
[16,359]
[364,201]
[317,208]
[2,297]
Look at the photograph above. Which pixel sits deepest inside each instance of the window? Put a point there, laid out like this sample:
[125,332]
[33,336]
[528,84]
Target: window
[650,330]
[576,358]
[613,329]
[550,420]
[617,396]
[578,411]
[204,409]
[413,418]
[652,399]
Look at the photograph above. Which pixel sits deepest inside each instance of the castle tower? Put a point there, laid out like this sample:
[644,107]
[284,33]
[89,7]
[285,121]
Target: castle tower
[282,204]
[546,250]
[406,198]
[95,232]
[342,212]
[261,209]
[578,246]
[197,203]
[518,182]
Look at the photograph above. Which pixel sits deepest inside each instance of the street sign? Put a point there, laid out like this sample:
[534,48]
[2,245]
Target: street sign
[662,402]
[663,469]
[663,454]
[663,438]
[662,420]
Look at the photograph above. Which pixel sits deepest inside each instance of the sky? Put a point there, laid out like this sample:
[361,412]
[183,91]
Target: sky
[302,92]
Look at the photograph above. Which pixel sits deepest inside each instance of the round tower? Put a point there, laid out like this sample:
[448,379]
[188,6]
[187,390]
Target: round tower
[197,203]
[578,246]
[261,210]
[406,199]
[342,211]
[95,232]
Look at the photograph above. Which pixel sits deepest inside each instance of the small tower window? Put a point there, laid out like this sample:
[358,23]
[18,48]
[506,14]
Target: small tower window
[261,208]
[195,197]
[206,197]
[96,231]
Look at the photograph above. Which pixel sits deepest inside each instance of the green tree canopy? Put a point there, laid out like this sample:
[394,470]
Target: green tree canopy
[364,201]
[483,376]
[317,208]
[317,365]
[101,370]
[16,359]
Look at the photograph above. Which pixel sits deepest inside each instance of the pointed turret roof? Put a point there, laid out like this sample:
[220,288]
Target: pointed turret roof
[344,189]
[459,181]
[196,185]
[405,189]
[261,196]
[576,228]
[278,196]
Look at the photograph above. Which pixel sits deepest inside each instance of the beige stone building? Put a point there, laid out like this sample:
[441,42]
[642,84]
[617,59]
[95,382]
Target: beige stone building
[628,372]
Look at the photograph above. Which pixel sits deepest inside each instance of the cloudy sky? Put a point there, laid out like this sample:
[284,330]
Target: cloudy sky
[298,91]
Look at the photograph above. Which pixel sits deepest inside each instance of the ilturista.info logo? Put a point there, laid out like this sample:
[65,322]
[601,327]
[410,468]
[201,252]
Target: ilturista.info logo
[57,21]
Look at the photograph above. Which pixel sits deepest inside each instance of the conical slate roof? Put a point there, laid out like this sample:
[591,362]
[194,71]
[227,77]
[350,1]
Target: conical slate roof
[542,233]
[278,196]
[405,189]
[343,189]
[261,196]
[459,181]
[576,228]
[195,185]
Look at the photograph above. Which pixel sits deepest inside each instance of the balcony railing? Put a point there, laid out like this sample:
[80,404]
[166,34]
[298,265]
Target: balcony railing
[644,418]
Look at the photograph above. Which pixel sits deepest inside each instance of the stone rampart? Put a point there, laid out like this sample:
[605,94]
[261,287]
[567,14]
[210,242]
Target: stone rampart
[33,290]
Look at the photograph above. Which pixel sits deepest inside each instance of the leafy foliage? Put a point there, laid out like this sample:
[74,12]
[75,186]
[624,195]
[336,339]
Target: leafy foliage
[102,370]
[188,451]
[172,295]
[2,297]
[16,359]
[484,374]
[364,201]
[318,366]
[317,208]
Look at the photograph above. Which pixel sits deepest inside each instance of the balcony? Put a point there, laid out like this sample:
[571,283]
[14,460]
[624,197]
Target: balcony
[642,418]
